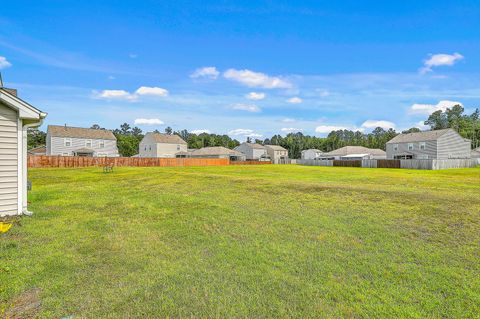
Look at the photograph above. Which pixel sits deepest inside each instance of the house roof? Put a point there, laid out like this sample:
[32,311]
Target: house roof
[25,110]
[166,138]
[419,136]
[355,155]
[39,149]
[476,152]
[215,150]
[347,150]
[80,132]
[255,146]
[312,149]
[275,147]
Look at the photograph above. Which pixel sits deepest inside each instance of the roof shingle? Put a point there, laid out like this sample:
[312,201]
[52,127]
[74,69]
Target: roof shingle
[419,136]
[167,138]
[79,132]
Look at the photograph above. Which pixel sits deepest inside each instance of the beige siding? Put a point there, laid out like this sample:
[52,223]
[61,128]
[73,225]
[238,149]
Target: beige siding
[8,161]
[150,148]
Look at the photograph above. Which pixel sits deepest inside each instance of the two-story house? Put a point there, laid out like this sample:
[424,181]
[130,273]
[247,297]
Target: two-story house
[438,144]
[277,154]
[253,151]
[77,141]
[161,145]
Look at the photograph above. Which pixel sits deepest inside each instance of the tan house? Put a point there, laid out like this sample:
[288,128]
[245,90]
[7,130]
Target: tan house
[16,116]
[78,141]
[218,152]
[277,154]
[40,150]
[161,145]
[253,151]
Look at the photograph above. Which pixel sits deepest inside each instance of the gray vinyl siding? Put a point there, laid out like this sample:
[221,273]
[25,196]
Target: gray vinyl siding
[250,152]
[430,151]
[150,148]
[8,161]
[56,146]
[452,145]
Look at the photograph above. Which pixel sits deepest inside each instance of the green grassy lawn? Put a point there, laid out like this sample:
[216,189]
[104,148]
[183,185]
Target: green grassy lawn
[267,241]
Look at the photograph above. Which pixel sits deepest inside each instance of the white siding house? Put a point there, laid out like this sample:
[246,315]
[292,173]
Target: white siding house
[16,116]
[253,151]
[161,145]
[355,153]
[77,141]
[277,154]
[438,144]
[311,154]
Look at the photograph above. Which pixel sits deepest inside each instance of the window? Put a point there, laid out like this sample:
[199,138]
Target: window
[150,148]
[421,145]
[65,154]
[67,142]
[410,146]
[145,148]
[395,147]
[178,147]
[88,143]
[102,144]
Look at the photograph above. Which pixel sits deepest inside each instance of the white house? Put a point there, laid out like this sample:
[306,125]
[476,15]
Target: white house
[355,153]
[253,151]
[218,152]
[311,154]
[161,145]
[277,154]
[78,141]
[16,116]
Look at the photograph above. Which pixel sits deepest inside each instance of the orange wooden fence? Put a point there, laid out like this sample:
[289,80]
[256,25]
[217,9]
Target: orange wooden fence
[40,161]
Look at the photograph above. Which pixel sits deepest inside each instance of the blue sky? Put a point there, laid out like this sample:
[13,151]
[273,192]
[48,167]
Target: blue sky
[249,68]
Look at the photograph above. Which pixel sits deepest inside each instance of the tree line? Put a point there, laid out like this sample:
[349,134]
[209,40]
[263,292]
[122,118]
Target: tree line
[128,138]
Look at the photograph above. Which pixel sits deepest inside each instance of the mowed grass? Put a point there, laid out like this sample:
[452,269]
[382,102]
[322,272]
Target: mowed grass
[273,241]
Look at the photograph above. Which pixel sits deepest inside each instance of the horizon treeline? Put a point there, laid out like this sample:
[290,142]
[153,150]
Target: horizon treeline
[128,138]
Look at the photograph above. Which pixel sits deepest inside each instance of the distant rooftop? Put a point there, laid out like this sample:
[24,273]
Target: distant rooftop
[79,132]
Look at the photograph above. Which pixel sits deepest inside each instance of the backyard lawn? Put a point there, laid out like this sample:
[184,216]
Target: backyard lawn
[269,241]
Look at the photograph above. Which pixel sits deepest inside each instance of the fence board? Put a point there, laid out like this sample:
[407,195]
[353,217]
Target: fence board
[348,163]
[250,162]
[39,161]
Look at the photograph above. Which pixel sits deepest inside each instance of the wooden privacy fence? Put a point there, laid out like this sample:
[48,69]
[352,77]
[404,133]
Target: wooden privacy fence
[431,164]
[347,163]
[40,161]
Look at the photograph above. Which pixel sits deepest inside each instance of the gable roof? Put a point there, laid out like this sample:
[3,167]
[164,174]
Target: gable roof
[313,150]
[166,138]
[347,150]
[254,145]
[79,132]
[420,136]
[275,147]
[216,150]
[25,110]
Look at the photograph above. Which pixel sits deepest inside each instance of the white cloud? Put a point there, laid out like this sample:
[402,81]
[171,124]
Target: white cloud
[439,60]
[421,125]
[154,91]
[244,132]
[291,130]
[255,96]
[288,120]
[127,96]
[4,63]
[133,55]
[209,72]
[427,109]
[329,128]
[148,122]
[200,131]
[322,93]
[256,79]
[111,77]
[115,95]
[246,107]
[374,124]
[295,100]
